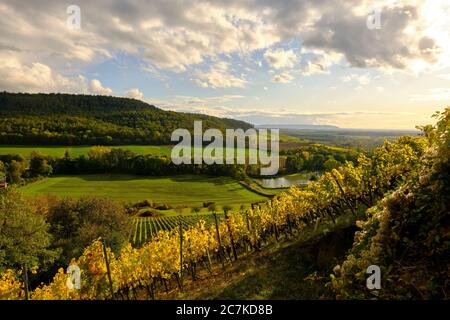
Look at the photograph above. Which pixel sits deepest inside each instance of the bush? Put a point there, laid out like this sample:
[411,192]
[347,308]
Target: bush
[149,213]
[163,206]
[24,236]
[76,223]
[207,204]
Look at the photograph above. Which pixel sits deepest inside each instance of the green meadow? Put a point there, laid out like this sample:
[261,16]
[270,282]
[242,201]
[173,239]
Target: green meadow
[189,190]
[58,151]
[75,151]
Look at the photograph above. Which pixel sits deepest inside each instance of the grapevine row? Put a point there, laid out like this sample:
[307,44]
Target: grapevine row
[157,264]
[147,228]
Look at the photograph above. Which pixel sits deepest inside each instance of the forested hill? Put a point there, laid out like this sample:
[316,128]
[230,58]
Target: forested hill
[68,119]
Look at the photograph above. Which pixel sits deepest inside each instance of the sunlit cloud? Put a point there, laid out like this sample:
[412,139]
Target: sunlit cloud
[284,77]
[436,94]
[160,50]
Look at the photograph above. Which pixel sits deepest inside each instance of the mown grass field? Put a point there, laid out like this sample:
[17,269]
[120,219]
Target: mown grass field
[58,151]
[75,151]
[189,190]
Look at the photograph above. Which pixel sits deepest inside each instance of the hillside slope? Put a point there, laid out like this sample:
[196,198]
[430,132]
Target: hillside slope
[407,234]
[85,119]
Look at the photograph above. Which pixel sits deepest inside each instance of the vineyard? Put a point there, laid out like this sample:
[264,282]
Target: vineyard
[163,262]
[175,254]
[148,228]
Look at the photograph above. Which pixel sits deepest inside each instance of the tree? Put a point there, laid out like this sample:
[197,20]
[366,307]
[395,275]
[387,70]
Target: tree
[2,169]
[62,119]
[15,170]
[39,165]
[76,223]
[24,233]
[331,163]
[98,153]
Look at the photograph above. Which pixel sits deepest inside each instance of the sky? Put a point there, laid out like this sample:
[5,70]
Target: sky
[350,63]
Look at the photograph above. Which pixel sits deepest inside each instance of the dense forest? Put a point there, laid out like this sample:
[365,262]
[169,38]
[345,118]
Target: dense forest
[67,119]
[316,157]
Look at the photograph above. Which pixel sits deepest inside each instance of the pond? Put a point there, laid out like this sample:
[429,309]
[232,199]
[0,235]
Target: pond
[301,179]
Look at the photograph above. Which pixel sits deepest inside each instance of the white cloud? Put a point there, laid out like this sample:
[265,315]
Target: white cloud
[219,76]
[96,87]
[280,58]
[444,76]
[318,61]
[360,79]
[134,93]
[214,105]
[37,77]
[180,38]
[436,94]
[283,77]
[175,37]
[208,101]
[280,115]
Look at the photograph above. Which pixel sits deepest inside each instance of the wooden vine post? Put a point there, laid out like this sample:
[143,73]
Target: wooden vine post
[108,270]
[218,239]
[181,254]
[249,232]
[25,280]
[233,246]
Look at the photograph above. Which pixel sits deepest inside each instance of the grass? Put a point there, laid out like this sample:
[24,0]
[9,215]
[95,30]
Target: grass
[189,190]
[58,151]
[75,151]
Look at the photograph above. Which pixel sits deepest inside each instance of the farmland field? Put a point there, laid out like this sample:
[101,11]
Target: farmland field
[147,228]
[189,190]
[58,151]
[75,151]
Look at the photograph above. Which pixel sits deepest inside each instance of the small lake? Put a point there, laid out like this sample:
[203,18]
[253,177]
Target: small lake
[285,181]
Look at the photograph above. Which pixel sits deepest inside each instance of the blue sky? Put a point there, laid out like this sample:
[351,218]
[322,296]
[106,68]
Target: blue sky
[266,62]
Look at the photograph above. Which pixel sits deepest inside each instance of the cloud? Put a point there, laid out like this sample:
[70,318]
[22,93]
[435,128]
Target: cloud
[37,77]
[444,76]
[280,58]
[134,93]
[96,87]
[218,76]
[400,40]
[360,79]
[280,115]
[436,94]
[284,77]
[175,37]
[318,61]
[209,100]
[194,104]
[214,105]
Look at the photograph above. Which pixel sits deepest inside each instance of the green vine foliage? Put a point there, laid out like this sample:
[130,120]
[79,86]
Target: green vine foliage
[407,233]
